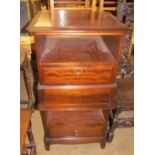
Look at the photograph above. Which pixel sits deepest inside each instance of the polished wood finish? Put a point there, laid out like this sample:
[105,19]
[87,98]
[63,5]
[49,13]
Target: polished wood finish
[80,127]
[25,130]
[77,58]
[90,23]
[80,124]
[25,116]
[76,97]
[83,61]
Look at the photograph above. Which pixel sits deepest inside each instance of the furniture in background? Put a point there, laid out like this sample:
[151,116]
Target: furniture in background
[25,67]
[26,130]
[125,101]
[126,84]
[125,14]
[28,9]
[77,53]
[125,81]
[25,113]
[106,5]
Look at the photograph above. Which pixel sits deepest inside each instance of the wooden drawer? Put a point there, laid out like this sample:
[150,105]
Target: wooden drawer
[92,74]
[76,131]
[75,123]
[76,97]
[76,61]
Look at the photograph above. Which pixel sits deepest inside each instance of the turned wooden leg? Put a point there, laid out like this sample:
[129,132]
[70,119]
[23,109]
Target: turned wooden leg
[47,144]
[27,79]
[25,152]
[112,124]
[125,122]
[33,151]
[31,138]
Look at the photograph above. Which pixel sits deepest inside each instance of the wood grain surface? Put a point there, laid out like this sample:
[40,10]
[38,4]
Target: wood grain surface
[75,22]
[25,116]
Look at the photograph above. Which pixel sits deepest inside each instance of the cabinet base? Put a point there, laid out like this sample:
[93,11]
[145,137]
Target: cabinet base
[73,140]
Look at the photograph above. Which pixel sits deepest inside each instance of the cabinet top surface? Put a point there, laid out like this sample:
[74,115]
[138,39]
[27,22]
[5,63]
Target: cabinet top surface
[65,21]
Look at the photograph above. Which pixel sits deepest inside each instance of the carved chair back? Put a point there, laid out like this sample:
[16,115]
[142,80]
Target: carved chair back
[125,14]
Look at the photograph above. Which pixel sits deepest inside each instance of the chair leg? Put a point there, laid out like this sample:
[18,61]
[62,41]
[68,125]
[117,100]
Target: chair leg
[26,69]
[112,124]
[24,152]
[31,138]
[33,151]
[125,122]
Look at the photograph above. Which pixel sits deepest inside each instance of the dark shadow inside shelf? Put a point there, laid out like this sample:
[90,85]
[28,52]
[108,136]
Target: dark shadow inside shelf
[81,49]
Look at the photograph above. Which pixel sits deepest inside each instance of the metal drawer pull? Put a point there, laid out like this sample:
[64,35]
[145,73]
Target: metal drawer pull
[78,70]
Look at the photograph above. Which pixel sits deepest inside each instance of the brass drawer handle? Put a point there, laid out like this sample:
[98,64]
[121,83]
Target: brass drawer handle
[78,71]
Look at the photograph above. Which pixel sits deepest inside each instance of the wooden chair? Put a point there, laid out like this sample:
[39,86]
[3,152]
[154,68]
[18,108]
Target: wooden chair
[25,66]
[28,9]
[107,5]
[125,14]
[25,114]
[125,99]
[25,130]
[72,5]
[125,82]
[125,102]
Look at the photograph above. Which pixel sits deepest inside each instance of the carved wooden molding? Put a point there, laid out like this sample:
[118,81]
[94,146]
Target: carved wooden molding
[125,14]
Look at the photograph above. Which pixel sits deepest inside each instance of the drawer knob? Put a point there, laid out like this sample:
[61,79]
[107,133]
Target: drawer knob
[78,71]
[76,132]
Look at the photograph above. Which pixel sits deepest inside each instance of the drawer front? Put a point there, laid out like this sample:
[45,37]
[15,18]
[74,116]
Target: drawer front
[76,97]
[76,74]
[76,131]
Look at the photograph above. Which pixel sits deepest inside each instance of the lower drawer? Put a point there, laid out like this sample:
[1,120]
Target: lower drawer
[76,131]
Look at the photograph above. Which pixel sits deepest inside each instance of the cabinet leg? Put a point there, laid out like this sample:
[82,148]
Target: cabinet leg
[47,144]
[103,144]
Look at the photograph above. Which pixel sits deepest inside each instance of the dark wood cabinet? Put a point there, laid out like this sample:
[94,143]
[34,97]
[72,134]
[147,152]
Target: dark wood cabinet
[77,58]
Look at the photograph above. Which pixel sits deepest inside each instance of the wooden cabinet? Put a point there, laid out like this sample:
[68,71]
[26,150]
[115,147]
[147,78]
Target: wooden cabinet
[77,58]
